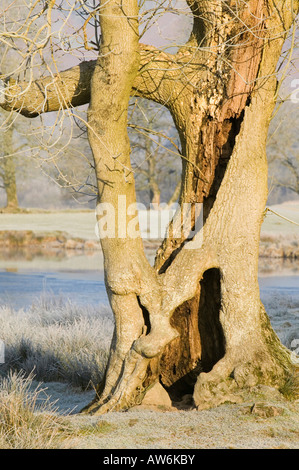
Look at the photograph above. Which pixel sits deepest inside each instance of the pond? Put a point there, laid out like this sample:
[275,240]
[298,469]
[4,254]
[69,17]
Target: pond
[80,277]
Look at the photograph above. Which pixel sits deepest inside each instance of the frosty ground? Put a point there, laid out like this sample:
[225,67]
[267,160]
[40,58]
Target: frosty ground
[66,347]
[63,348]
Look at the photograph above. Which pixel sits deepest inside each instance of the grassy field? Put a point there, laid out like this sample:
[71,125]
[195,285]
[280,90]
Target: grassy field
[76,224]
[82,224]
[277,225]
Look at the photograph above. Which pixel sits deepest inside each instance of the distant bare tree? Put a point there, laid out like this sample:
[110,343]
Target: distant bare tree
[8,171]
[283,149]
[156,157]
[14,150]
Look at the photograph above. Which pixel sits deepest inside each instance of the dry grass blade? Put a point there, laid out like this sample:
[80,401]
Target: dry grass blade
[27,417]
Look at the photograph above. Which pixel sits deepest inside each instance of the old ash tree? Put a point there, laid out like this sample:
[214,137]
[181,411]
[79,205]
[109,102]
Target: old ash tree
[194,321]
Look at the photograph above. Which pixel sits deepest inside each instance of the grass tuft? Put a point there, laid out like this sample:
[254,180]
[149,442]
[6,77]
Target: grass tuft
[59,340]
[290,389]
[27,417]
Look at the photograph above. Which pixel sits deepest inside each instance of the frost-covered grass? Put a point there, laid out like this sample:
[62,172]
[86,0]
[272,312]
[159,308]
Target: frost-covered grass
[283,311]
[66,344]
[27,417]
[58,340]
[61,341]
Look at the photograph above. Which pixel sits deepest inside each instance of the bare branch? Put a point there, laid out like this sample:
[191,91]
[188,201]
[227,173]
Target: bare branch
[67,89]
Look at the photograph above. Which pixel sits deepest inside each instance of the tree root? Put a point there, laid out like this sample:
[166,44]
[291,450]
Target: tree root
[128,390]
[125,393]
[232,380]
[215,387]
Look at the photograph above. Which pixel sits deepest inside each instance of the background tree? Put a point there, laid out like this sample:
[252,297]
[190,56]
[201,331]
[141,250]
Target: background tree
[64,170]
[16,141]
[52,151]
[283,151]
[8,170]
[11,140]
[282,143]
[194,320]
[155,154]
[69,163]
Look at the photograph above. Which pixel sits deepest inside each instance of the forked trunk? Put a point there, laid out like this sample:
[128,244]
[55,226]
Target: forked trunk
[196,323]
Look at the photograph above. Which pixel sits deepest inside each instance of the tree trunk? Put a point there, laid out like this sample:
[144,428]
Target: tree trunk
[154,191]
[8,170]
[10,184]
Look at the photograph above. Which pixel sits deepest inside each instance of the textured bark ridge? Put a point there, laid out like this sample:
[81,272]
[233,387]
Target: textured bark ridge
[194,321]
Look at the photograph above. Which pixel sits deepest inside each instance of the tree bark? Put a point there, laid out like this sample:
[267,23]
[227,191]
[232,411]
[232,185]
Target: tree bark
[154,191]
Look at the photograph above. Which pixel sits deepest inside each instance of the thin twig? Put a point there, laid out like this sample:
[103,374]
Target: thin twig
[281,216]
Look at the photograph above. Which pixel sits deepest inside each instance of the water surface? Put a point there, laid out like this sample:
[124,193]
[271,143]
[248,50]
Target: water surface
[80,277]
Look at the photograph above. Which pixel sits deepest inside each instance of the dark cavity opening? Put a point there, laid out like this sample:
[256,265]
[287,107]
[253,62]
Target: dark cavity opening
[224,143]
[202,339]
[209,326]
[146,316]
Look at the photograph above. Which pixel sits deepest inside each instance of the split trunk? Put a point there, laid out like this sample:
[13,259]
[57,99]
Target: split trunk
[194,321]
